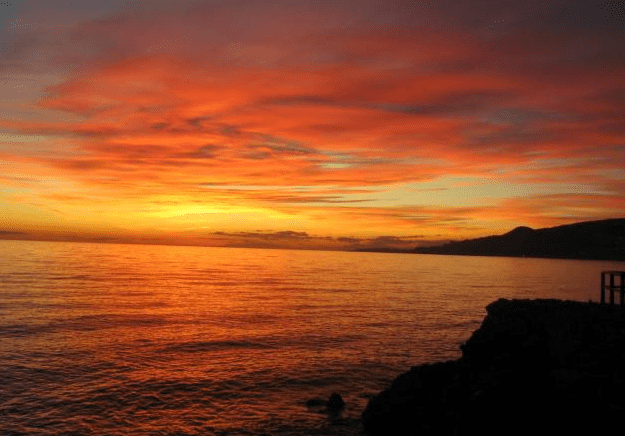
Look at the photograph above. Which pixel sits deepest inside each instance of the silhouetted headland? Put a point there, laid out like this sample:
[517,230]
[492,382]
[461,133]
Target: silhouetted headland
[599,240]
[533,367]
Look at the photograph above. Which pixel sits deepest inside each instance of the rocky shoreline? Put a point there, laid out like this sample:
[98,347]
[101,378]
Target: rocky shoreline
[533,366]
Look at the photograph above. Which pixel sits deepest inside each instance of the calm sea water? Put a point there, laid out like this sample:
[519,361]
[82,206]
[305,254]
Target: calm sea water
[110,339]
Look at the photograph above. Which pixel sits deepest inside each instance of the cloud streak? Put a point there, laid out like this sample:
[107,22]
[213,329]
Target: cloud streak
[154,102]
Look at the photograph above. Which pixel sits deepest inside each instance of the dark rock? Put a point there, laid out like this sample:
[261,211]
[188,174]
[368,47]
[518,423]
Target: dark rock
[426,394]
[315,403]
[532,367]
[335,403]
[334,406]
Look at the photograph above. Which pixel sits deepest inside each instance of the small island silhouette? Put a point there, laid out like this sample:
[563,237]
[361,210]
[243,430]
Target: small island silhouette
[596,240]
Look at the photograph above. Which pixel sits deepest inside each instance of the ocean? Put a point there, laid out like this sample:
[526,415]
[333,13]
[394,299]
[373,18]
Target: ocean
[111,339]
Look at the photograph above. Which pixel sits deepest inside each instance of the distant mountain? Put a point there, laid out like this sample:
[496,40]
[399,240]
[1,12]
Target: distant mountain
[601,240]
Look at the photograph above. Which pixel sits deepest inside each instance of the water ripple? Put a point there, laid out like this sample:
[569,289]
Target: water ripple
[125,340]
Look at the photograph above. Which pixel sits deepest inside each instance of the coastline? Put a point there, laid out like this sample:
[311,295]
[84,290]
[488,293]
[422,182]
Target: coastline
[532,366]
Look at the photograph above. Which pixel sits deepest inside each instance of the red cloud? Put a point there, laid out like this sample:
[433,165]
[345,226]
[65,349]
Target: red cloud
[317,97]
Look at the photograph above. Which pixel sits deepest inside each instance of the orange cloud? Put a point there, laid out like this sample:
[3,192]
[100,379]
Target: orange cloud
[284,114]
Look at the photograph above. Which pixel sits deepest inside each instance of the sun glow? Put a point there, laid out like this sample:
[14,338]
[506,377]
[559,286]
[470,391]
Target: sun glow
[372,124]
[209,212]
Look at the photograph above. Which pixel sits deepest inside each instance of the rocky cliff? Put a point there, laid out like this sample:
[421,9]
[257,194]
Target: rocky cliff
[586,240]
[534,366]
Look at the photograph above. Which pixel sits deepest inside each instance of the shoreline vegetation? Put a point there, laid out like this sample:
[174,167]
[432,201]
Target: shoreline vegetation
[533,366]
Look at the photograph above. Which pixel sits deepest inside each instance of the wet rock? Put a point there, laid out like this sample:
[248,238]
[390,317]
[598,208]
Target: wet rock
[333,406]
[314,403]
[335,403]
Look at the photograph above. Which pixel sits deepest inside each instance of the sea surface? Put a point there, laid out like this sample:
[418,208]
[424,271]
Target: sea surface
[106,339]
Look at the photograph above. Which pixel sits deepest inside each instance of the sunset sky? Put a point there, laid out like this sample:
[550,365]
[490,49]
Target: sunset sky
[319,123]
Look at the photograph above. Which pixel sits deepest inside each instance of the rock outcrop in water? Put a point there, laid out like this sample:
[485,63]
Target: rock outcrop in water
[334,406]
[335,403]
[533,367]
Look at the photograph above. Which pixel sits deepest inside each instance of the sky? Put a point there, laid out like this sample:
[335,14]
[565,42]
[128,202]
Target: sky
[308,124]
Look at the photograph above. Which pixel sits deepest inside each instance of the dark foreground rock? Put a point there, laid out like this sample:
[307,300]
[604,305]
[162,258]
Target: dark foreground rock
[534,366]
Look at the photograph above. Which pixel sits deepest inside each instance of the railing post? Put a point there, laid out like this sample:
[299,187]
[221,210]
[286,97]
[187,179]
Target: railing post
[612,288]
[603,288]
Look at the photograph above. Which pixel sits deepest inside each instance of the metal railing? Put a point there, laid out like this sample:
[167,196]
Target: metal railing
[612,285]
